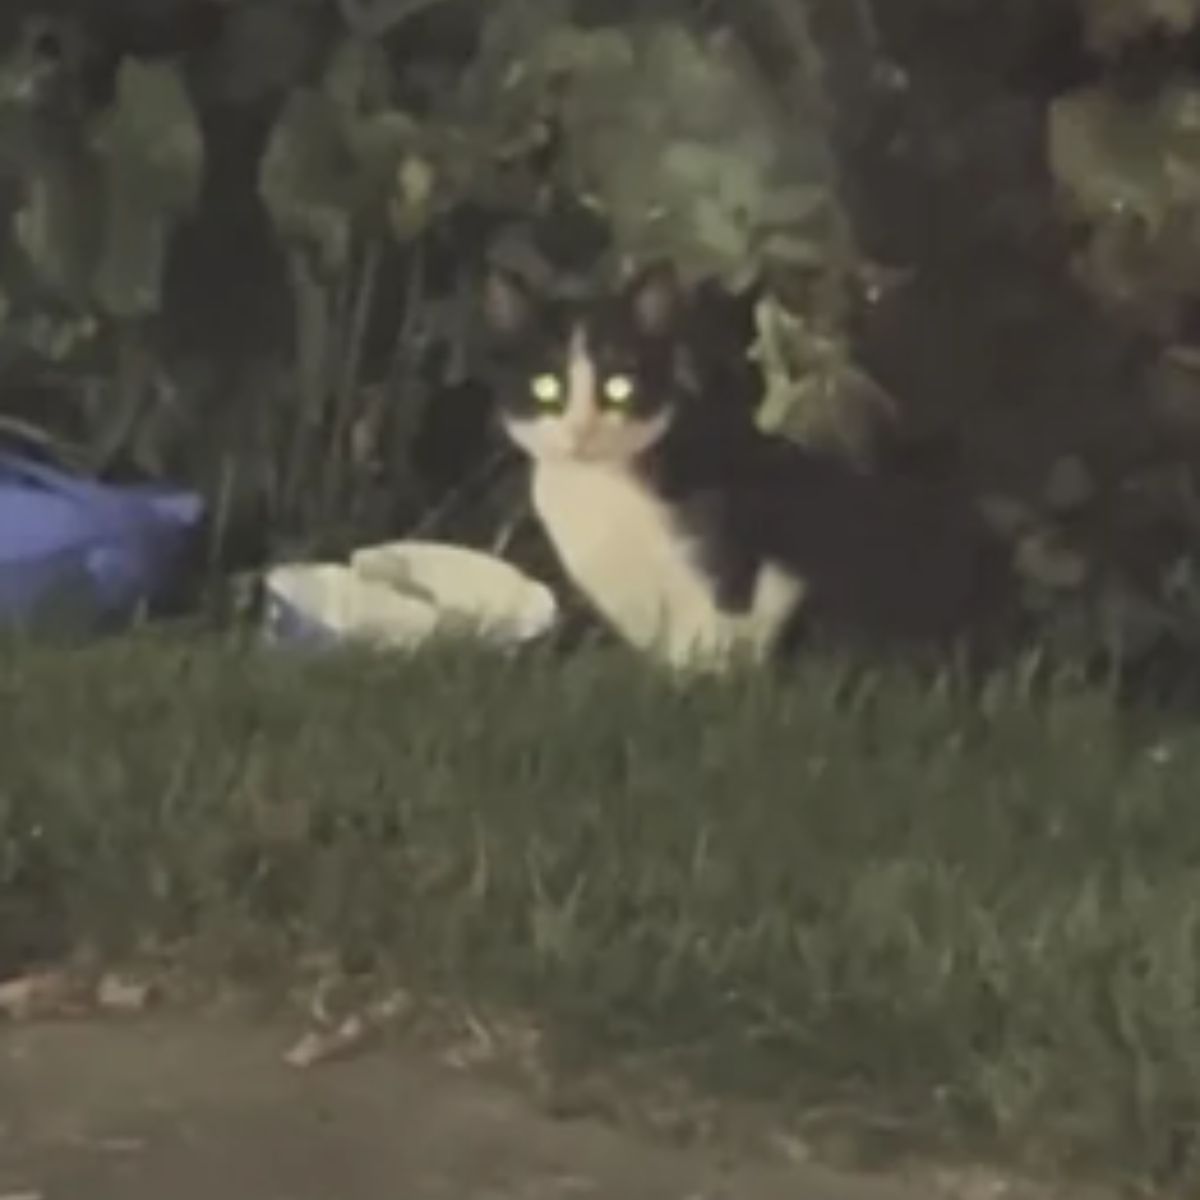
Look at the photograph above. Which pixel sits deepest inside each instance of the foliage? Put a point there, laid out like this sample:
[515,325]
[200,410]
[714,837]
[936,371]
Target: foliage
[1131,169]
[365,158]
[666,130]
[102,198]
[1110,24]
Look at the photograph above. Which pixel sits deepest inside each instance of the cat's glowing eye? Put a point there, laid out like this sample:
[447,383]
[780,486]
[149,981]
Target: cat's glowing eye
[618,389]
[546,389]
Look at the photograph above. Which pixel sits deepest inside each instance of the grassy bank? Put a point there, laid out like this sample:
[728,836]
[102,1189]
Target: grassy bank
[986,915]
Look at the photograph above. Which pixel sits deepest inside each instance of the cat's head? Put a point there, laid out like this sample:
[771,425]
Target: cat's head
[597,381]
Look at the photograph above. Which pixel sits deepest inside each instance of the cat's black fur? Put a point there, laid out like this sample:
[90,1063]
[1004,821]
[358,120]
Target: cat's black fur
[886,559]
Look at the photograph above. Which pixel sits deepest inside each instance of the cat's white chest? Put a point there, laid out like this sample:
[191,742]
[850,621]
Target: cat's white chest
[621,547]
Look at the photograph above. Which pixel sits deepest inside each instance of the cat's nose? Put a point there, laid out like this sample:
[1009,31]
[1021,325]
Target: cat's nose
[578,439]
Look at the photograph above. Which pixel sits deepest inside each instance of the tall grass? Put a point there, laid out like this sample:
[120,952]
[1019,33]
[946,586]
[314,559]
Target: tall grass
[981,912]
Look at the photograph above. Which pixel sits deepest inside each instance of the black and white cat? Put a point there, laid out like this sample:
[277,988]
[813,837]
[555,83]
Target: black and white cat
[693,535]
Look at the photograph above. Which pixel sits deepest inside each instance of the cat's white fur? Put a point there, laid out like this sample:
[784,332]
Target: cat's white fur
[621,545]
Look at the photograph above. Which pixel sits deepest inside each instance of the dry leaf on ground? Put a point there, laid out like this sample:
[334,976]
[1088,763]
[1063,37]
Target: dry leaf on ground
[349,1034]
[43,994]
[119,993]
[318,1046]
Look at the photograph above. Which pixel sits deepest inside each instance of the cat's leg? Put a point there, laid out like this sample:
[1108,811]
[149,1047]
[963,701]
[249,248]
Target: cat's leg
[744,599]
[778,596]
[707,635]
[725,558]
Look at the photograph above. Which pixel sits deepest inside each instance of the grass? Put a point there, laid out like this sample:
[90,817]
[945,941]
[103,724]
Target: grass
[984,915]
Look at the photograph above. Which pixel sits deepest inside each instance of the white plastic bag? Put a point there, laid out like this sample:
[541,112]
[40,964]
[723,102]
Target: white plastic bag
[399,594]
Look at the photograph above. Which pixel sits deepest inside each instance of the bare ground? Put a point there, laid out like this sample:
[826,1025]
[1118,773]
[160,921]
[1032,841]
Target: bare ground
[192,1109]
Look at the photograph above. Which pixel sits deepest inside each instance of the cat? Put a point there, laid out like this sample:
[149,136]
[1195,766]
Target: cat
[693,535]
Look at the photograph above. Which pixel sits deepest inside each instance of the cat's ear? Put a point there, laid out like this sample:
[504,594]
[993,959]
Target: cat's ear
[655,299]
[507,303]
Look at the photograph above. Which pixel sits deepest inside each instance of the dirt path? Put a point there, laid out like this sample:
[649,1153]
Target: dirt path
[192,1110]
